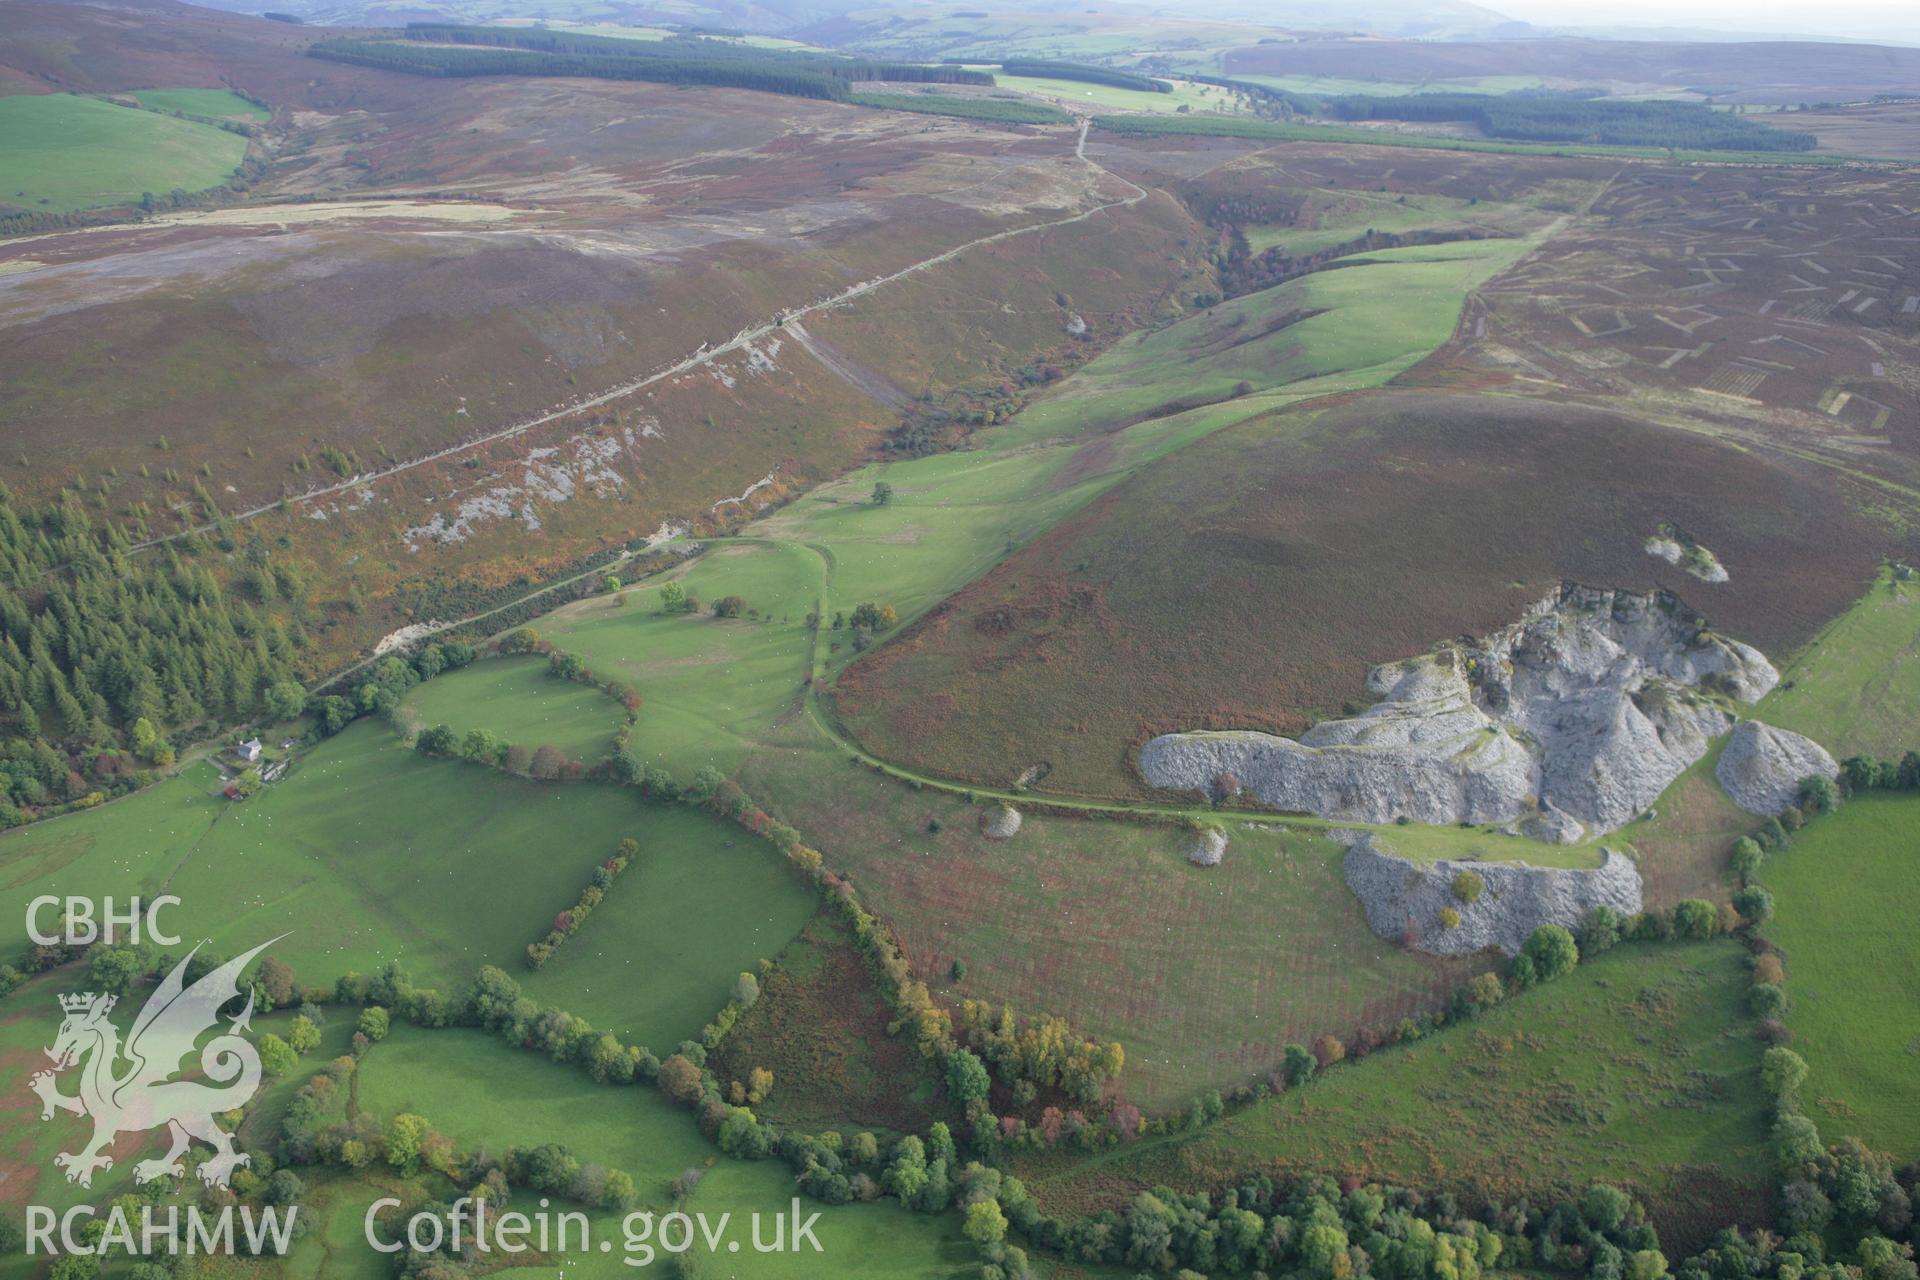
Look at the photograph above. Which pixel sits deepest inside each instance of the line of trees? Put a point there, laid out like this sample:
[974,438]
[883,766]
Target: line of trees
[567,922]
[448,50]
[1680,125]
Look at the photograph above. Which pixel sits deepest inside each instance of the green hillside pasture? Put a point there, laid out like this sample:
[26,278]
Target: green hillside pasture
[482,1092]
[704,903]
[708,684]
[1856,688]
[369,852]
[479,1091]
[1375,317]
[518,699]
[202,102]
[1847,898]
[129,846]
[60,152]
[1637,1070]
[1332,218]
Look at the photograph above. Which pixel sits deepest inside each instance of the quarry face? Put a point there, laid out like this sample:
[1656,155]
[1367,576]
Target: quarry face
[1564,724]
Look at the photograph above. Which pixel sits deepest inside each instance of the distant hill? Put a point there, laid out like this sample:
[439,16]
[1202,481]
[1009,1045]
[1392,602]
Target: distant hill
[1748,71]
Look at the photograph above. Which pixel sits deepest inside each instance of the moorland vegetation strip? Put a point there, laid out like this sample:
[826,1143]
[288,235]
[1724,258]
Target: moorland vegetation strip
[704,357]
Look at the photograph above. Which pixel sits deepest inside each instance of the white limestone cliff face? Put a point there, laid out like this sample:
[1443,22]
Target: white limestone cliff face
[1567,723]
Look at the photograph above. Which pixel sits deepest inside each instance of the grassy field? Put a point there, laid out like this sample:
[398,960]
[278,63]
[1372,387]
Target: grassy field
[1371,318]
[1634,1070]
[655,961]
[1856,688]
[368,853]
[480,1092]
[1846,901]
[519,700]
[1186,93]
[61,151]
[709,684]
[1330,218]
[202,102]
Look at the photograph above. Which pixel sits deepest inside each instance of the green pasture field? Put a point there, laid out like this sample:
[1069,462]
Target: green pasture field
[1333,218]
[61,151]
[1186,93]
[702,904]
[478,1091]
[1072,38]
[369,853]
[1846,897]
[1387,310]
[522,702]
[708,684]
[128,846]
[1637,1069]
[1856,688]
[202,102]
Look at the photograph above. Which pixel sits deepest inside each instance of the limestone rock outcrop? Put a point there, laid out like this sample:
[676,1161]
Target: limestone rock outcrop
[1762,766]
[1207,847]
[1002,822]
[1404,899]
[1566,723]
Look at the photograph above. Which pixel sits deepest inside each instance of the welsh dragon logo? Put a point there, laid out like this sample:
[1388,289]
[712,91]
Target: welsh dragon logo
[142,1094]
